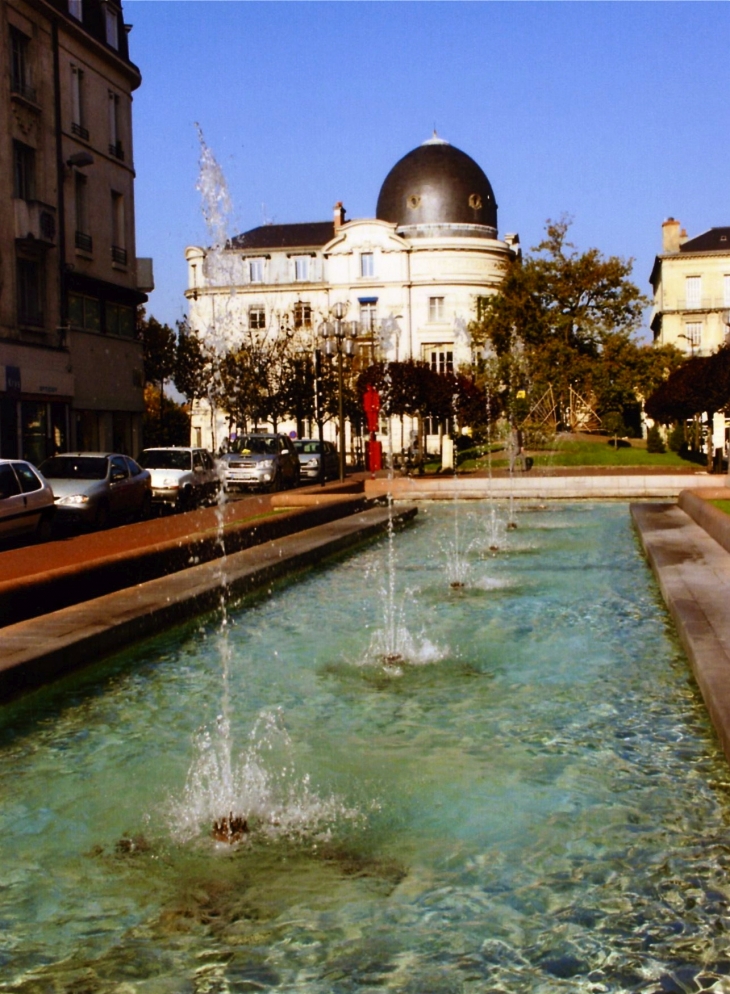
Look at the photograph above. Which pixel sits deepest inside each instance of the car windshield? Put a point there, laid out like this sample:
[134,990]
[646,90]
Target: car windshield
[74,468]
[257,444]
[165,459]
[306,447]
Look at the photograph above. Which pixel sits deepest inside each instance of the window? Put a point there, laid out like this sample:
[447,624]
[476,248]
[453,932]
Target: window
[302,314]
[368,311]
[119,252]
[77,101]
[120,320]
[23,171]
[257,318]
[693,291]
[76,9]
[435,308]
[20,81]
[693,334]
[301,267]
[367,264]
[115,142]
[726,290]
[112,25]
[31,292]
[83,238]
[441,360]
[84,312]
[256,270]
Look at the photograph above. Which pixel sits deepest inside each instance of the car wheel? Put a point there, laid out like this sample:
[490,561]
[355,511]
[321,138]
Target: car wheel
[185,500]
[101,518]
[44,529]
[275,483]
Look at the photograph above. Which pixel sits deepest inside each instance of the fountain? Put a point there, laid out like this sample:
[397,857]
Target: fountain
[543,810]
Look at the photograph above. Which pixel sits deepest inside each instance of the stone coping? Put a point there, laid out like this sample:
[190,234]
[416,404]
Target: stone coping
[38,650]
[693,572]
[527,486]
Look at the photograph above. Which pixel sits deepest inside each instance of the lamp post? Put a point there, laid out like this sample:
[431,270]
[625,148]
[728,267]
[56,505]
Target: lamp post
[339,338]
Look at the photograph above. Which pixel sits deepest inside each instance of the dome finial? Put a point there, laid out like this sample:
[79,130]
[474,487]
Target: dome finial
[435,139]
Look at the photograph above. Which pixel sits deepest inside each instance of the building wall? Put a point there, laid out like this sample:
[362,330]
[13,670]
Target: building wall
[47,272]
[397,282]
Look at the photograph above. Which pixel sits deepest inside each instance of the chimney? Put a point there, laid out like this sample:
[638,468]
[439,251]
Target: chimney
[339,215]
[670,235]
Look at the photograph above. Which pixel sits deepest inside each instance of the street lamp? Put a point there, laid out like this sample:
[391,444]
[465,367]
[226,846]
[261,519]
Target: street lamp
[339,338]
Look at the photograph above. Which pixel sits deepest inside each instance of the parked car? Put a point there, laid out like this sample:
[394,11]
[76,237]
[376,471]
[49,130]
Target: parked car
[93,487]
[181,477]
[309,451]
[261,461]
[26,501]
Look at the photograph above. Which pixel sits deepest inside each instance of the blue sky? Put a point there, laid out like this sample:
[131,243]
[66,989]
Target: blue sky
[617,114]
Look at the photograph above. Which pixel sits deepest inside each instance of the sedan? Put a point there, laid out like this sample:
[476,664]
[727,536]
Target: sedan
[26,501]
[92,487]
[309,451]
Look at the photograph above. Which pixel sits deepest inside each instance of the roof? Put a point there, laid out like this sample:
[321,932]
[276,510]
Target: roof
[714,240]
[280,236]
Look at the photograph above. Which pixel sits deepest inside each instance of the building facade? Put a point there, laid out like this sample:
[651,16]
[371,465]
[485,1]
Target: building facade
[409,276]
[691,284]
[71,373]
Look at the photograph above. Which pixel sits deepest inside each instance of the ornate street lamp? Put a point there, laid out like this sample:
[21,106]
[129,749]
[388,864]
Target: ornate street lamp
[338,338]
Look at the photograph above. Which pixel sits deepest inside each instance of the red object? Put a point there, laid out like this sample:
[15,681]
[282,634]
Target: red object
[373,456]
[371,406]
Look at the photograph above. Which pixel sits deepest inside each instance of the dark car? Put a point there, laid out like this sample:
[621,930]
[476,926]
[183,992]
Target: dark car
[92,487]
[309,451]
[26,501]
[261,461]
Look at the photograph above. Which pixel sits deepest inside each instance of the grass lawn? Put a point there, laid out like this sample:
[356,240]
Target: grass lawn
[724,505]
[594,451]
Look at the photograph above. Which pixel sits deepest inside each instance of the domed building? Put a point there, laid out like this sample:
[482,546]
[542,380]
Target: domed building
[409,277]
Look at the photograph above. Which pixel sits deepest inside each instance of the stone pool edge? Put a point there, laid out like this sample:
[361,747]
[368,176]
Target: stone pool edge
[693,573]
[39,650]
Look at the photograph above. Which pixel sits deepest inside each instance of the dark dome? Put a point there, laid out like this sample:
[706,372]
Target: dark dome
[437,184]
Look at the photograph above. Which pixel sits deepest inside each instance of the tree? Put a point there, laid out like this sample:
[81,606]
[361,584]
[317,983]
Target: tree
[563,319]
[158,344]
[193,365]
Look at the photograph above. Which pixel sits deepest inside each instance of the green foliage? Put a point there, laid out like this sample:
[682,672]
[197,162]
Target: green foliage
[566,319]
[699,385]
[159,344]
[676,439]
[654,440]
[169,426]
[193,363]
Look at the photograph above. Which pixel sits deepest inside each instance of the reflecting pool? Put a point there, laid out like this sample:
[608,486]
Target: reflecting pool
[536,804]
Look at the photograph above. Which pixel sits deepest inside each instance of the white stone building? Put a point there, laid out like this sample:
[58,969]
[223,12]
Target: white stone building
[410,276]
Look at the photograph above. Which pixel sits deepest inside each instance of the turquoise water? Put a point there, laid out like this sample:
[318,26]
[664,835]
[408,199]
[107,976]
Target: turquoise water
[534,804]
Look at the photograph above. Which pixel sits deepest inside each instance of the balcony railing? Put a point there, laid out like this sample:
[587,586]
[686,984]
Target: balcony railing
[116,150]
[119,255]
[80,130]
[84,241]
[696,304]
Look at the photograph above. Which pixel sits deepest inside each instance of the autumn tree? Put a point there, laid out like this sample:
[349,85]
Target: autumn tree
[563,319]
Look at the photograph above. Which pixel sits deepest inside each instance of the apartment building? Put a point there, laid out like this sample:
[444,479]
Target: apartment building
[71,373]
[691,284]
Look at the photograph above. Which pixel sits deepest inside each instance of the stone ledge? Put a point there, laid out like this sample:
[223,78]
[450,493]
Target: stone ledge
[39,650]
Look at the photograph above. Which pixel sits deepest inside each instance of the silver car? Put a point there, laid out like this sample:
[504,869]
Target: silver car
[309,451]
[261,462]
[182,477]
[26,501]
[92,487]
